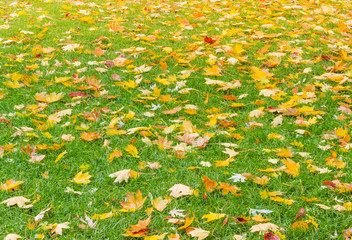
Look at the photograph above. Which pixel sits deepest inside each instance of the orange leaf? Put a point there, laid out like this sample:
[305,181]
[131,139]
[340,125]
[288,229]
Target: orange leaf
[225,188]
[90,136]
[172,111]
[134,202]
[292,167]
[212,71]
[138,230]
[210,185]
[114,154]
[282,152]
[98,52]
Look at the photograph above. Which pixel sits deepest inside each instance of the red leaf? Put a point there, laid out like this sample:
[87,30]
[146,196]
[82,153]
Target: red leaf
[301,213]
[77,94]
[209,40]
[271,236]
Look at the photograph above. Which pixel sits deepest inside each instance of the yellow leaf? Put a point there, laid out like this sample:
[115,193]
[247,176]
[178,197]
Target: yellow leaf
[134,202]
[284,152]
[60,156]
[132,150]
[81,178]
[280,199]
[14,84]
[259,218]
[224,163]
[90,136]
[10,185]
[102,216]
[212,71]
[262,181]
[266,194]
[48,98]
[300,224]
[87,20]
[213,216]
[292,167]
[188,222]
[155,237]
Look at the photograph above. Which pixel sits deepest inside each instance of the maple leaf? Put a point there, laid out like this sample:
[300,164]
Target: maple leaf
[292,167]
[225,188]
[160,204]
[270,236]
[102,216]
[172,111]
[81,178]
[132,150]
[123,175]
[36,158]
[58,227]
[188,222]
[90,136]
[138,230]
[264,227]
[284,152]
[174,236]
[48,98]
[230,152]
[10,185]
[198,233]
[40,216]
[133,202]
[257,113]
[224,163]
[213,216]
[114,154]
[209,40]
[277,121]
[301,213]
[98,52]
[19,201]
[210,185]
[88,221]
[179,190]
[300,224]
[12,236]
[212,71]
[155,237]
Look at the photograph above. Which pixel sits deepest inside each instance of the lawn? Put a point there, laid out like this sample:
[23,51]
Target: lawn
[175,119]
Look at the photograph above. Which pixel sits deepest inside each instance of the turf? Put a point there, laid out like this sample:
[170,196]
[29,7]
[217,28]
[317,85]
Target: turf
[201,90]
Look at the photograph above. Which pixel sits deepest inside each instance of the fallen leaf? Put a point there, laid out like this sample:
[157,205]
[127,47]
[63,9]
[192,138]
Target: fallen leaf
[81,178]
[179,190]
[19,201]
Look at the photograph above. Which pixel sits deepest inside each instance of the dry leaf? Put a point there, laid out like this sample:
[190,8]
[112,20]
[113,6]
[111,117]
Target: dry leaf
[19,201]
[198,233]
[134,202]
[179,190]
[123,175]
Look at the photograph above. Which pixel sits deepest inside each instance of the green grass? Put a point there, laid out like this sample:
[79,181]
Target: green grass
[38,25]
